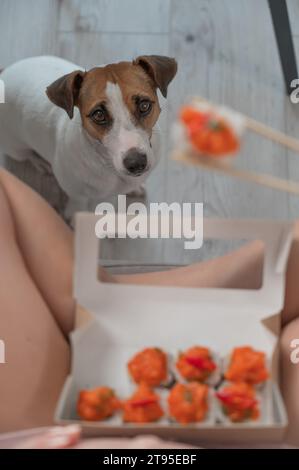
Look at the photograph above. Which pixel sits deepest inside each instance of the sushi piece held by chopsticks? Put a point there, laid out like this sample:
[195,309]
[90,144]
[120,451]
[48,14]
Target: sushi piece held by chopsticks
[210,131]
[207,136]
[216,130]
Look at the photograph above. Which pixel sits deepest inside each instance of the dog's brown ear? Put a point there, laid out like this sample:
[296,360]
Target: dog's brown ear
[160,68]
[64,92]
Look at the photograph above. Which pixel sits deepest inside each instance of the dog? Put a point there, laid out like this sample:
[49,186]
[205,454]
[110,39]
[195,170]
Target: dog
[95,130]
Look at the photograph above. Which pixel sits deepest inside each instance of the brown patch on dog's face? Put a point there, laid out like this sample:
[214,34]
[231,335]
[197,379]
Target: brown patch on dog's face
[138,93]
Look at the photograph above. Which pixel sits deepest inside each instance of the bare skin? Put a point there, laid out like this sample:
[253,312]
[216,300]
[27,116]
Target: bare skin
[37,308]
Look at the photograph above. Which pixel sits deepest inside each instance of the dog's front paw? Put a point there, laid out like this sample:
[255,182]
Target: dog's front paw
[138,192]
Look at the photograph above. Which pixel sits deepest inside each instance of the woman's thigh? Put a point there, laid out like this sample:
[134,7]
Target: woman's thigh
[36,352]
[46,244]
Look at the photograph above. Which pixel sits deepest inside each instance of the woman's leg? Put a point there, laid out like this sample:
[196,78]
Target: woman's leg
[241,268]
[46,244]
[36,351]
[36,305]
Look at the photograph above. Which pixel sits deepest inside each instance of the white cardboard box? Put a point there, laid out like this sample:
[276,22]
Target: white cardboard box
[115,320]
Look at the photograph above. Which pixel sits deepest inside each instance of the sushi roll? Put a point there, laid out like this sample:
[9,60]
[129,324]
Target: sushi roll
[197,364]
[247,365]
[209,130]
[143,406]
[238,402]
[188,403]
[149,366]
[97,404]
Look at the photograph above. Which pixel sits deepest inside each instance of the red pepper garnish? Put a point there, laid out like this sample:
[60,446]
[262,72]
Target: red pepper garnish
[201,363]
[144,402]
[242,403]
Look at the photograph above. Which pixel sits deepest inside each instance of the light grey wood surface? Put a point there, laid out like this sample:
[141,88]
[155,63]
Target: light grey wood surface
[226,51]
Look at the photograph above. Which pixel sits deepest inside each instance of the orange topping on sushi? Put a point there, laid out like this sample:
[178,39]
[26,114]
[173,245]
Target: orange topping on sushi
[247,365]
[188,403]
[97,404]
[195,363]
[149,366]
[239,402]
[209,134]
[143,407]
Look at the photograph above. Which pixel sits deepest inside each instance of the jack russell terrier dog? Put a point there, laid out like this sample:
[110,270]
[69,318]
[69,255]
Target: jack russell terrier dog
[95,128]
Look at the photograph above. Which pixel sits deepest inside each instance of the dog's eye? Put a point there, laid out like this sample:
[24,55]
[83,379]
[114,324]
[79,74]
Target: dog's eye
[144,107]
[99,116]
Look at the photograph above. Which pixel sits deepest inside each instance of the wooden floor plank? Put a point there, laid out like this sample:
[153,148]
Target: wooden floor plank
[27,28]
[129,16]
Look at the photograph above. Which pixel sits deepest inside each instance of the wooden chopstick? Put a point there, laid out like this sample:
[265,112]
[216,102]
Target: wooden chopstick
[272,134]
[222,167]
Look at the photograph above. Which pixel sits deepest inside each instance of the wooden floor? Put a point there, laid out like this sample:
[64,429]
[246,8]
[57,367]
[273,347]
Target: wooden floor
[226,51]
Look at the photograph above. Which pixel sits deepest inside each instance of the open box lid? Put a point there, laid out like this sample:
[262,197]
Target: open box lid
[226,317]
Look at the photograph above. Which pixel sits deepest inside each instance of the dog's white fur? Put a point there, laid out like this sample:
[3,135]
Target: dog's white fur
[32,127]
[124,134]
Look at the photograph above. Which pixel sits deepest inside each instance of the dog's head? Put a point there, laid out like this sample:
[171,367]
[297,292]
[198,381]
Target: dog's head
[119,107]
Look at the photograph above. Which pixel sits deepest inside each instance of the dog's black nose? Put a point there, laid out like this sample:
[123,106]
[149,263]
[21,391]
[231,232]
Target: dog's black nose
[135,162]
